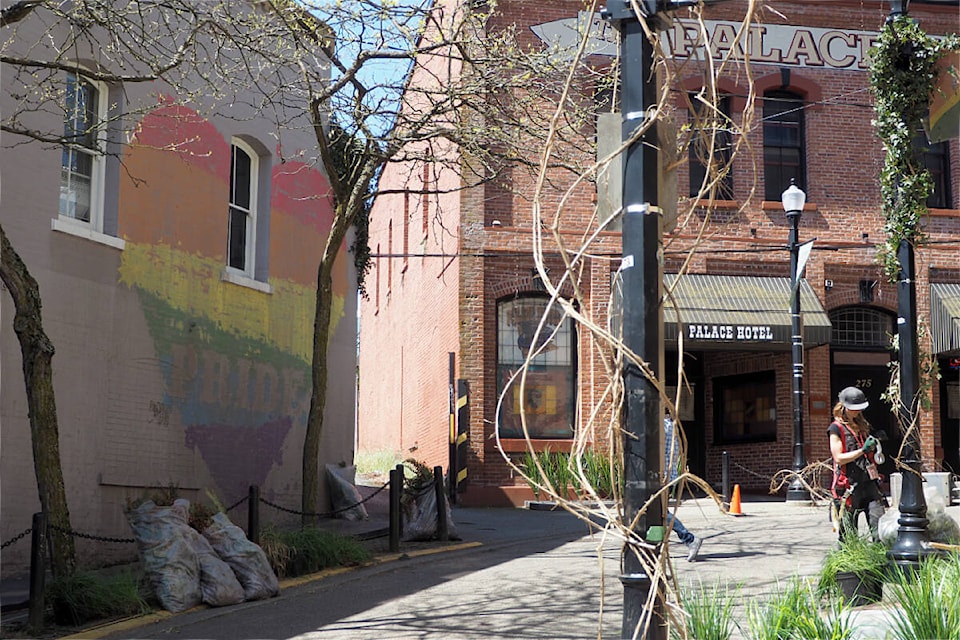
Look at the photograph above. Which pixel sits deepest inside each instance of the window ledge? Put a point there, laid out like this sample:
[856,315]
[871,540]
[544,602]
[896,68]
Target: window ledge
[244,281]
[519,445]
[707,203]
[944,212]
[776,205]
[83,230]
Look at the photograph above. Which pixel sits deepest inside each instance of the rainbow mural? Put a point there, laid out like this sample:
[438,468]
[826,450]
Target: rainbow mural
[235,360]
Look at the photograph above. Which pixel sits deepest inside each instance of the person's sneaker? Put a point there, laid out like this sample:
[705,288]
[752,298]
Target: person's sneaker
[694,548]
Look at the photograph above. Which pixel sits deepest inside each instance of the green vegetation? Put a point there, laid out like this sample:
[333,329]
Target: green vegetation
[857,555]
[85,596]
[309,550]
[377,463]
[794,612]
[929,599]
[562,474]
[709,613]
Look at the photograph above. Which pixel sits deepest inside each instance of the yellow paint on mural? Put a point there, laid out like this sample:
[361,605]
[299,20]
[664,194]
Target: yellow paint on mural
[283,319]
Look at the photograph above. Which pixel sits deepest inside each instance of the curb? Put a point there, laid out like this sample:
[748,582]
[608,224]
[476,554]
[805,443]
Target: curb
[103,630]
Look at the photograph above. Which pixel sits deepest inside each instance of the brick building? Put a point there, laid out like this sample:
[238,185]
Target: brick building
[176,253]
[454,305]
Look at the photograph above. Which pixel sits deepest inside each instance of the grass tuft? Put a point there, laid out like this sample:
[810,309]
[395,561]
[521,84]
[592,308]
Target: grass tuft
[928,599]
[309,550]
[86,596]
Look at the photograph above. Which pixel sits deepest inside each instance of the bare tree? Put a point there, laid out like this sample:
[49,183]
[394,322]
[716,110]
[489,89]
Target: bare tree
[475,105]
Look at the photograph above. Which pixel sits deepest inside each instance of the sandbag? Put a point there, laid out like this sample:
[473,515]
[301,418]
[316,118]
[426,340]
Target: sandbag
[420,517]
[219,586]
[170,561]
[344,496]
[247,560]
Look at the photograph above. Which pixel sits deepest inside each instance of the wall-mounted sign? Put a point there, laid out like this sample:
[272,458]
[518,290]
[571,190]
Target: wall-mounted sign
[954,363]
[783,45]
[730,332]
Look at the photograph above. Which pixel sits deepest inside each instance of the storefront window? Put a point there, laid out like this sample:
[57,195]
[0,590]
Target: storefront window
[746,407]
[549,392]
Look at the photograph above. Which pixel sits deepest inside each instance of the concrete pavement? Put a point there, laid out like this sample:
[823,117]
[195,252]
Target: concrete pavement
[521,574]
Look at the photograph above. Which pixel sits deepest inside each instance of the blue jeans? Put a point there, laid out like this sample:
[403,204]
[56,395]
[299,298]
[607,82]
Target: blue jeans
[685,536]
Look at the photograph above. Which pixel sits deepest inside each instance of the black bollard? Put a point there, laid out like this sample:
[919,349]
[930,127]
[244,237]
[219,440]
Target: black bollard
[253,514]
[443,533]
[396,484]
[38,570]
[725,476]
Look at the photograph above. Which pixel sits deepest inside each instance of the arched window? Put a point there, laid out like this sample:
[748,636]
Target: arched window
[861,327]
[783,142]
[548,400]
[711,125]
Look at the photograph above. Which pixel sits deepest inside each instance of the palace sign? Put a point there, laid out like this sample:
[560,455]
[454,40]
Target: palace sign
[782,45]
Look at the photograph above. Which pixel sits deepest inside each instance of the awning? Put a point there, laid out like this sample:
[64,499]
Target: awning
[740,313]
[945,317]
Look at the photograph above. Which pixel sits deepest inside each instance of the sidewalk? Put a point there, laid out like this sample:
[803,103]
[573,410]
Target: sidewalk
[756,552]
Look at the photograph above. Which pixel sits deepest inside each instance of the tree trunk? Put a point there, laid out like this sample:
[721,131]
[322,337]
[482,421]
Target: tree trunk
[37,351]
[321,343]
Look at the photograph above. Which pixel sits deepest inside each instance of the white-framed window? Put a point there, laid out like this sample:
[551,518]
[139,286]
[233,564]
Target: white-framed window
[83,157]
[242,221]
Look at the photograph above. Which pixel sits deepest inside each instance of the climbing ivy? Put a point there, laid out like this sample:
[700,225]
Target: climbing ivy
[902,77]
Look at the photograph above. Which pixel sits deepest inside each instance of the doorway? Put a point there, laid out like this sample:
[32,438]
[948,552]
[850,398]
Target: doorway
[870,373]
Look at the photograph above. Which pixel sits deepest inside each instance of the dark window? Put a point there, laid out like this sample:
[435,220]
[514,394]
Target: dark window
[860,327]
[746,407]
[783,148]
[81,155]
[936,158]
[241,223]
[548,399]
[711,126]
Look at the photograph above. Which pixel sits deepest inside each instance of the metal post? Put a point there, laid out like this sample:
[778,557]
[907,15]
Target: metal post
[442,531]
[396,486]
[913,540]
[642,328]
[796,491]
[38,570]
[253,514]
[725,476]
[452,404]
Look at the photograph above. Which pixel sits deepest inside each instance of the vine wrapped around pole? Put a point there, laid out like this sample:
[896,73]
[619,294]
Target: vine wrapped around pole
[902,76]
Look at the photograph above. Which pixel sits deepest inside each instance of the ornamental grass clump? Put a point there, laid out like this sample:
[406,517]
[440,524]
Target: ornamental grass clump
[928,600]
[855,554]
[797,611]
[708,613]
[84,596]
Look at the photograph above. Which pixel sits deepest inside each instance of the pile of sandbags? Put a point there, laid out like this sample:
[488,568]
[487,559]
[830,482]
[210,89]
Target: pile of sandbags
[218,567]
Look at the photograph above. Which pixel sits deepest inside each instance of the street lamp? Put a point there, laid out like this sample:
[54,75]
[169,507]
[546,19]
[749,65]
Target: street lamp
[793,200]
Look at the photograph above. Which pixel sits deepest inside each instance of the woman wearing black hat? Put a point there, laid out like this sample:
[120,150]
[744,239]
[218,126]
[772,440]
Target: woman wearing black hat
[855,485]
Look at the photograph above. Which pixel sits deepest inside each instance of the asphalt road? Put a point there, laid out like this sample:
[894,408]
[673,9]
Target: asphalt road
[535,577]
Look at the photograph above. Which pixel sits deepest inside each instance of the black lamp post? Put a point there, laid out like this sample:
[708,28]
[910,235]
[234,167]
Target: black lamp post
[793,200]
[913,539]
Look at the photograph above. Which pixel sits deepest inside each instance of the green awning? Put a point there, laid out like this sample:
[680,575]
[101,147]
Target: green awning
[945,318]
[739,313]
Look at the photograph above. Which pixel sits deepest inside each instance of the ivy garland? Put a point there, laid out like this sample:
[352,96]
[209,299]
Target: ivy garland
[902,76]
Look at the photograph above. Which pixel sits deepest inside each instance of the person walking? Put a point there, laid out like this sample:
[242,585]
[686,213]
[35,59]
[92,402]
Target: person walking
[855,485]
[672,459]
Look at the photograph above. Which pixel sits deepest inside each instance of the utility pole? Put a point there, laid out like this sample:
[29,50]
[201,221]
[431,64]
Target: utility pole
[642,324]
[641,270]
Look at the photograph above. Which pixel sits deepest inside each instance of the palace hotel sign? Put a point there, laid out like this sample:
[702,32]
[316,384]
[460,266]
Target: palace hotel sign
[765,44]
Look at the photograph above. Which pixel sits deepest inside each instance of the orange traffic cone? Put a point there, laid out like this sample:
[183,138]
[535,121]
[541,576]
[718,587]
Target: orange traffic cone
[735,502]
